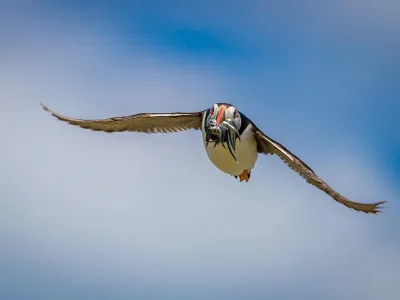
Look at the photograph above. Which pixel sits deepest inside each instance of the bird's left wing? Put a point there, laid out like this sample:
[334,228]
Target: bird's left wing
[144,122]
[267,145]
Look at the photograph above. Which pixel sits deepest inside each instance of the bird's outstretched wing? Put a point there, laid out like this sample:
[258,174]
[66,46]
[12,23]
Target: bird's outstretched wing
[144,122]
[267,145]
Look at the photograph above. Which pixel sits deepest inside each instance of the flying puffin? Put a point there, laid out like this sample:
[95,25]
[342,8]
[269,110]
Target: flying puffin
[232,142]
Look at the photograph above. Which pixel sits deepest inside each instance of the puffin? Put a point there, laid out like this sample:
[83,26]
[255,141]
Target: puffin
[231,140]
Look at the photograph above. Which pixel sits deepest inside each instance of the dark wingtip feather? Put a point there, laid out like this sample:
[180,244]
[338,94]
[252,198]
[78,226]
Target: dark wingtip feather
[374,208]
[378,208]
[44,107]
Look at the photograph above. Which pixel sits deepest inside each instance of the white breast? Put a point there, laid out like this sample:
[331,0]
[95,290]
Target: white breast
[246,153]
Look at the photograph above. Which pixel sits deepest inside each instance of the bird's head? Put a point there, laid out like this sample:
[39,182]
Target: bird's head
[222,125]
[223,112]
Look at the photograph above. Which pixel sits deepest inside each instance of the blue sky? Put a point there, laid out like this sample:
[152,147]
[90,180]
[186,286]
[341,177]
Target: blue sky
[87,215]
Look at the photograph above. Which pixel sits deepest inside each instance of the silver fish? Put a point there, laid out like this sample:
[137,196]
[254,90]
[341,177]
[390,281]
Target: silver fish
[225,134]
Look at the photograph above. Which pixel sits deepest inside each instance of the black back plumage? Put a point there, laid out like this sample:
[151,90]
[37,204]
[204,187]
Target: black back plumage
[245,122]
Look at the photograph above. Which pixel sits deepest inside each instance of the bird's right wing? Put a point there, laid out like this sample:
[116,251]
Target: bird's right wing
[144,122]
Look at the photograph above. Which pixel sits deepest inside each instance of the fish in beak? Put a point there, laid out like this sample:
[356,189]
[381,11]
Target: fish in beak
[222,131]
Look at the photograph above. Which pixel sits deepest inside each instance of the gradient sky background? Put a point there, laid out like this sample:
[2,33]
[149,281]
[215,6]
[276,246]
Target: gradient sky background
[89,215]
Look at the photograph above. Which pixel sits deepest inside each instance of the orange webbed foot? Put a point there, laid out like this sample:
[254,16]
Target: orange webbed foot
[245,176]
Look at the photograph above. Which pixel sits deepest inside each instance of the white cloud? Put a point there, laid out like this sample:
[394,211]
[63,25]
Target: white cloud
[121,206]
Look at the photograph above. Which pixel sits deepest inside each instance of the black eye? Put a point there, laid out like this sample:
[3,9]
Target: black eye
[212,110]
[235,114]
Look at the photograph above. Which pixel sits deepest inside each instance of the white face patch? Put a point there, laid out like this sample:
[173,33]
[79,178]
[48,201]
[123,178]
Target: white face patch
[233,114]
[214,109]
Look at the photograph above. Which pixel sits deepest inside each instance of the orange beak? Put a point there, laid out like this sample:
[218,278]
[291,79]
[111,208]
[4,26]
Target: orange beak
[221,114]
